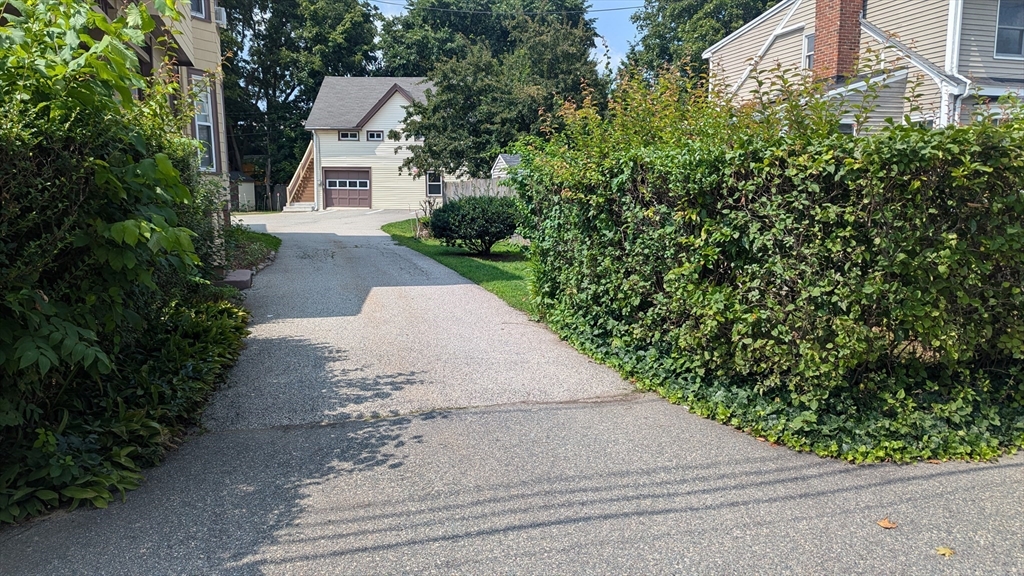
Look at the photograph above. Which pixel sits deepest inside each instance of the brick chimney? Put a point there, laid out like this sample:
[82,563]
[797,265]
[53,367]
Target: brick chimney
[836,38]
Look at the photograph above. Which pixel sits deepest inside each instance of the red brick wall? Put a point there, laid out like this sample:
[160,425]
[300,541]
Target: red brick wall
[836,38]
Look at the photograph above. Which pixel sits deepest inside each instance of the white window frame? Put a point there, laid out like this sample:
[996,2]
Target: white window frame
[807,54]
[374,135]
[348,136]
[201,13]
[995,43]
[346,184]
[439,184]
[205,90]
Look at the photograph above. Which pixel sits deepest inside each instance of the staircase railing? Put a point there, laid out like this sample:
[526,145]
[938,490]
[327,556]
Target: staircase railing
[294,185]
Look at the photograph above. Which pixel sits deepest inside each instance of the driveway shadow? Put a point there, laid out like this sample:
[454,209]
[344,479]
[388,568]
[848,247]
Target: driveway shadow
[281,381]
[227,492]
[320,275]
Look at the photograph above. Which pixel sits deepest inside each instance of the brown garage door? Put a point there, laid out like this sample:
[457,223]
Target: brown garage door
[347,188]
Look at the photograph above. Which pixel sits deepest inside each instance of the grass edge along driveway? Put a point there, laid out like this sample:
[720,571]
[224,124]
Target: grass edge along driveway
[504,273]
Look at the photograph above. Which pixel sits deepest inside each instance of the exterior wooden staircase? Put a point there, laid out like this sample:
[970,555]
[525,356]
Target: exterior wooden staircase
[302,188]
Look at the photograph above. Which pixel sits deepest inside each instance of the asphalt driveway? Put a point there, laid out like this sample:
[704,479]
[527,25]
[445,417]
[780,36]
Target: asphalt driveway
[388,416]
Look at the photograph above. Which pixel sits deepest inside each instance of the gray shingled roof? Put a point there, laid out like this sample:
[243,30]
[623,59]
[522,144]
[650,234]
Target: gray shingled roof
[511,159]
[342,101]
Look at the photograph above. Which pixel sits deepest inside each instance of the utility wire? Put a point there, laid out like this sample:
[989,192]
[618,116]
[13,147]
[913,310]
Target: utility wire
[406,5]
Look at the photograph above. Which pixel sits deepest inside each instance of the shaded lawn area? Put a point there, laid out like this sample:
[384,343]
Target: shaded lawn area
[246,248]
[504,272]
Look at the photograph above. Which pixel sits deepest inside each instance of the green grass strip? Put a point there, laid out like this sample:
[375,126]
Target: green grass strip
[504,273]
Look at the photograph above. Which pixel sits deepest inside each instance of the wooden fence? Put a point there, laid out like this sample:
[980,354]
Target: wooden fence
[476,187]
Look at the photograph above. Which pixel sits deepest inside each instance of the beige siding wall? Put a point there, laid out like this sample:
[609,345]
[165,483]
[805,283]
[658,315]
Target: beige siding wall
[881,103]
[978,44]
[920,24]
[389,189]
[730,62]
[208,59]
[182,28]
[786,51]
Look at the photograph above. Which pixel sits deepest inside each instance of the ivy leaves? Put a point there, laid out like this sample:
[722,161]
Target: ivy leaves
[858,297]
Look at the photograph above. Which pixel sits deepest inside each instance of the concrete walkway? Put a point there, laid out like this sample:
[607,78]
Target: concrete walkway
[390,417]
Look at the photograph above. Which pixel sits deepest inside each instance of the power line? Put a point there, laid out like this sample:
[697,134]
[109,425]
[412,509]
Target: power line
[505,13]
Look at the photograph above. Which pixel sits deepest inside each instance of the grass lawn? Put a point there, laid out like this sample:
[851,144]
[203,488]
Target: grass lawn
[504,273]
[246,248]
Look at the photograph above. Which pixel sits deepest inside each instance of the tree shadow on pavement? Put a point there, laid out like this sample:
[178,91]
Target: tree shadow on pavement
[320,275]
[288,380]
[226,492]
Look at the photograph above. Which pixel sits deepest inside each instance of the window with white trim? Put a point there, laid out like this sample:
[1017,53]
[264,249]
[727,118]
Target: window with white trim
[1010,29]
[374,135]
[434,184]
[344,135]
[199,8]
[204,129]
[809,52]
[348,184]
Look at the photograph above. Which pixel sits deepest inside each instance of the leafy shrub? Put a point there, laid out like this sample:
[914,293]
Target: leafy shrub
[475,223]
[859,297]
[110,334]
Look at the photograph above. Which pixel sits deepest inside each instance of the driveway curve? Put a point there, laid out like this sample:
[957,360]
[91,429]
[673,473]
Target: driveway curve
[389,417]
[347,324]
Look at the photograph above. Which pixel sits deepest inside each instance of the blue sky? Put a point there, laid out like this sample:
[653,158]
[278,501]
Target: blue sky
[615,27]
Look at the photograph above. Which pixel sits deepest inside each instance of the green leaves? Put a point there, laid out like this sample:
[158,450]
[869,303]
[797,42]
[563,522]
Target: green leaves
[858,297]
[110,334]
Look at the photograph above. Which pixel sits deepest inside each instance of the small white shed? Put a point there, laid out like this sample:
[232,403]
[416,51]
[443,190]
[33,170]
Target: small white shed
[501,165]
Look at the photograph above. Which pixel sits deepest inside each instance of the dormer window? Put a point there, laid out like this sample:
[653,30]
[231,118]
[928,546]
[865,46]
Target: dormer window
[1010,29]
[374,135]
[346,135]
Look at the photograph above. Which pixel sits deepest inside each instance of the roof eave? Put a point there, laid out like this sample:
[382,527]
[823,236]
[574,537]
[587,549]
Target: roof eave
[395,89]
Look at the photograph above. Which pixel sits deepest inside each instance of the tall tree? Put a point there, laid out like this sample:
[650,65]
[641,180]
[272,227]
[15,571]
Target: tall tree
[676,32]
[485,97]
[433,31]
[277,53]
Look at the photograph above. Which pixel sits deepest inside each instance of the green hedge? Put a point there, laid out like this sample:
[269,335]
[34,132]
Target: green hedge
[859,297]
[111,336]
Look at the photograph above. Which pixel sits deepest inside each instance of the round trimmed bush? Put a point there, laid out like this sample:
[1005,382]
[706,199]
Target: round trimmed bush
[475,223]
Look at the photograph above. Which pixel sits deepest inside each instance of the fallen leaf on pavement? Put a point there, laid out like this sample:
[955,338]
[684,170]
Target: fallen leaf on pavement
[943,551]
[934,461]
[886,523]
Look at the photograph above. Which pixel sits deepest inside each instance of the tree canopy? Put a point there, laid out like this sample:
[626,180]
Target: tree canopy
[277,53]
[433,31]
[493,83]
[676,32]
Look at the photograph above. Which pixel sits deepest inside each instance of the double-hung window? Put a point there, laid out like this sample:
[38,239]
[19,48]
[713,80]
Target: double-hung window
[809,52]
[199,8]
[1010,29]
[204,129]
[434,184]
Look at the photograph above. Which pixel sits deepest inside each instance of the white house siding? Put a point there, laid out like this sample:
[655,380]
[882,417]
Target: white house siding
[389,189]
[978,44]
